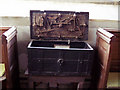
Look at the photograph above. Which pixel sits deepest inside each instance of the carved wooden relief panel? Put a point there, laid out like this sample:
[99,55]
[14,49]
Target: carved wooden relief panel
[59,25]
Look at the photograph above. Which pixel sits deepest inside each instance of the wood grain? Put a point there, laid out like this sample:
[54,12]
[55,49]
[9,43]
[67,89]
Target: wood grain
[9,56]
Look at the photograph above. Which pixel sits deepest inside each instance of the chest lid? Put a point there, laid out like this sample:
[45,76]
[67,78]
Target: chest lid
[59,25]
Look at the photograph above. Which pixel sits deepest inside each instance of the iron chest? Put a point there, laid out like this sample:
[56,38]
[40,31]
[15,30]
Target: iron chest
[58,48]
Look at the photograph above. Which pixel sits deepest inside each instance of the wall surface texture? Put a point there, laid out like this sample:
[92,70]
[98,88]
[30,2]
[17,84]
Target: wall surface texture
[23,28]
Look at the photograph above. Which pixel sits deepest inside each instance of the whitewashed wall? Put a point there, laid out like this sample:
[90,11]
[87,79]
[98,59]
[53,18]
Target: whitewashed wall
[22,8]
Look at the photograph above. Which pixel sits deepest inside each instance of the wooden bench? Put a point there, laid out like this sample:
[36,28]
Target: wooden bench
[8,56]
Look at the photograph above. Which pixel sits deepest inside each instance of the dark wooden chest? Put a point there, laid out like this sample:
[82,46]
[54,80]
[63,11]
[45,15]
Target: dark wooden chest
[58,49]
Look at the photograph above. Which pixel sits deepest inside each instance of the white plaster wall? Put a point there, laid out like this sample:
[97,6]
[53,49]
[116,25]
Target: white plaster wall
[22,8]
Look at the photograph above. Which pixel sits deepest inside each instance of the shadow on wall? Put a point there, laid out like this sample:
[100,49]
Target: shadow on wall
[22,55]
[23,41]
